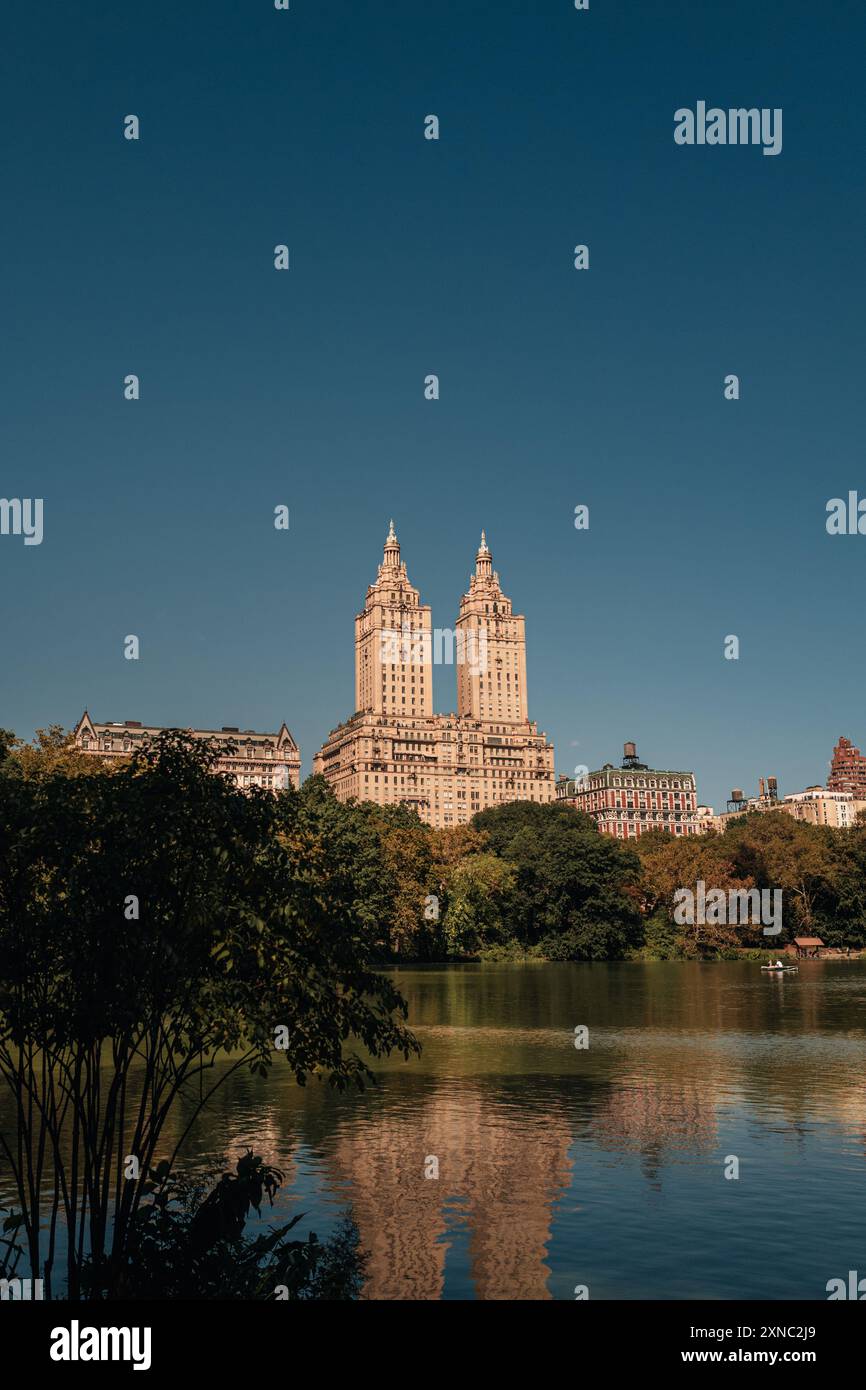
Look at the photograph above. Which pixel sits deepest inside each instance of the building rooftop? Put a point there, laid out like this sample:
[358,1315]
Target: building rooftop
[135,726]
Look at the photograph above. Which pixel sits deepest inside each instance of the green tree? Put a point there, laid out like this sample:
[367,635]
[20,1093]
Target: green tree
[575,891]
[153,922]
[478,889]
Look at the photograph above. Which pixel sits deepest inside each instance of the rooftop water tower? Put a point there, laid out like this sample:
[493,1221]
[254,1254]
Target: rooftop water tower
[629,758]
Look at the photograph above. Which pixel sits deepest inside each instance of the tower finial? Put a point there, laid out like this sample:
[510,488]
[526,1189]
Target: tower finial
[391,559]
[483,560]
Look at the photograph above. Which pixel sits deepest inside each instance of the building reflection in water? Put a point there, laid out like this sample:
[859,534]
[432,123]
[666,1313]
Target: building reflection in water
[657,1120]
[502,1168]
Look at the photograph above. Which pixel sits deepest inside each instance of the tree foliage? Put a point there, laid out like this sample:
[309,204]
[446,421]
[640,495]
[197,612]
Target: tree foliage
[153,921]
[186,1243]
[820,871]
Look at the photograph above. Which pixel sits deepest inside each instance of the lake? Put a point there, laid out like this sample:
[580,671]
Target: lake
[602,1167]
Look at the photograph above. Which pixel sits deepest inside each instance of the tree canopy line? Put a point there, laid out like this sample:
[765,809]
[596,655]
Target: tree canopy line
[158,926]
[525,879]
[518,879]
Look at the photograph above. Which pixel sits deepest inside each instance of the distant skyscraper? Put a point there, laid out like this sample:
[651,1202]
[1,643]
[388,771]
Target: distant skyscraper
[394,623]
[394,750]
[494,687]
[848,770]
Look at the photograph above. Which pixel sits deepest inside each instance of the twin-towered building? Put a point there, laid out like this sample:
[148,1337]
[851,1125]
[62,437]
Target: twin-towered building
[394,750]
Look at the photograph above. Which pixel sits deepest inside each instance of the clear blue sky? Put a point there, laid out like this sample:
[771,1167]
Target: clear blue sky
[409,256]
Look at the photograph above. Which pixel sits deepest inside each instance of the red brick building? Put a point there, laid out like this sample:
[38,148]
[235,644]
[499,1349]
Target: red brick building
[628,801]
[848,770]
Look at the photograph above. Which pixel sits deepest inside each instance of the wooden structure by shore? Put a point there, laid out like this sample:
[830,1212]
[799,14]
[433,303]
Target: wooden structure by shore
[808,947]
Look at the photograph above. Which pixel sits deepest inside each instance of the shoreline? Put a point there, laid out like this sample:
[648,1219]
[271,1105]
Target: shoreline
[750,956]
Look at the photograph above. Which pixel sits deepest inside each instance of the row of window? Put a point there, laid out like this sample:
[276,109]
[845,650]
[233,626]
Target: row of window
[126,745]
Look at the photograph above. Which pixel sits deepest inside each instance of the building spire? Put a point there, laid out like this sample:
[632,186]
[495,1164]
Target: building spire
[484,560]
[392,548]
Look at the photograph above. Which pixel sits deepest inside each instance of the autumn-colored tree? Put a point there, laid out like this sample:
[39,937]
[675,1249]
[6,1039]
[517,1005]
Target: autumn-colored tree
[454,843]
[777,851]
[408,864]
[671,863]
[52,750]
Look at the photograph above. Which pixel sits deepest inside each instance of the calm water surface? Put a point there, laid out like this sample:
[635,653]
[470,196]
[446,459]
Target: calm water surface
[605,1167]
[602,1167]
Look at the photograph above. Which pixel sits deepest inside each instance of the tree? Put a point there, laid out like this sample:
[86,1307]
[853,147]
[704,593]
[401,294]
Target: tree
[840,905]
[778,851]
[477,887]
[575,890]
[153,921]
[52,750]
[407,861]
[185,1244]
[671,863]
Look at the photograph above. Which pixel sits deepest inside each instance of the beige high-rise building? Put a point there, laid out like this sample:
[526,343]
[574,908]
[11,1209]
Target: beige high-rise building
[486,623]
[394,624]
[394,750]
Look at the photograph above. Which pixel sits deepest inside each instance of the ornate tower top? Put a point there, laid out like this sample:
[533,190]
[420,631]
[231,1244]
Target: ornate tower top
[391,559]
[483,564]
